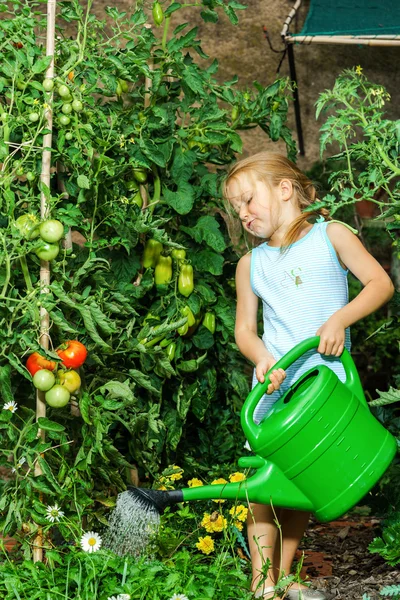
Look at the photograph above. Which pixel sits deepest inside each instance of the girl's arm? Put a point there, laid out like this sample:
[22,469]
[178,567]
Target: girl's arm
[378,288]
[250,345]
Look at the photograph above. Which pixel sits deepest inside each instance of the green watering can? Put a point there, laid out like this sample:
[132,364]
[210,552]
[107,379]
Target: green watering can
[319,449]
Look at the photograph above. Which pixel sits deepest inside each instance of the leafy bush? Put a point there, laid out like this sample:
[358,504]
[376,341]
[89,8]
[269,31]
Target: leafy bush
[141,133]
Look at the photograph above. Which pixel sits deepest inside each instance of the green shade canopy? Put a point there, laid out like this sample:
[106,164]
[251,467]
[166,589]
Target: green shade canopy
[347,17]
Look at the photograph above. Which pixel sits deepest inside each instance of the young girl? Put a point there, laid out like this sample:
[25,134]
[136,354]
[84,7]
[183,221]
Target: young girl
[300,274]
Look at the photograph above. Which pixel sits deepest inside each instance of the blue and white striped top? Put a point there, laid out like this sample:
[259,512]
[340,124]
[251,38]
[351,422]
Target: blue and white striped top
[300,289]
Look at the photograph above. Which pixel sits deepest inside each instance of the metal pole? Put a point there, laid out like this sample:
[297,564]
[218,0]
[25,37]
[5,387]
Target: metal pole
[293,77]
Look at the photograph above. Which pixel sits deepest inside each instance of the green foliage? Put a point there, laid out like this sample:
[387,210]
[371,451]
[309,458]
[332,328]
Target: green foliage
[141,136]
[79,576]
[368,144]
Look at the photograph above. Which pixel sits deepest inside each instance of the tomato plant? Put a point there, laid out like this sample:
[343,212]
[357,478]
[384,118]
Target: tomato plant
[51,231]
[70,380]
[47,251]
[141,137]
[44,380]
[58,396]
[28,226]
[73,354]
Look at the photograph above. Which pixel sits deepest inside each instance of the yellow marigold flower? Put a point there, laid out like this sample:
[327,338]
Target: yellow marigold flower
[206,522]
[234,477]
[238,525]
[195,482]
[205,544]
[217,522]
[214,522]
[359,70]
[219,481]
[239,512]
[162,487]
[175,476]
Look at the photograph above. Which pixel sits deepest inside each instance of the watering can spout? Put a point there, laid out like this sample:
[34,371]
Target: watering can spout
[267,486]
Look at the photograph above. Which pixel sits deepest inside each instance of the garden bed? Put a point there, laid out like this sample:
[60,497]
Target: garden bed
[337,559]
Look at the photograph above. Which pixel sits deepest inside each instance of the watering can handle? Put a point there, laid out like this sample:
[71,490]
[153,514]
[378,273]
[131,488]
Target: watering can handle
[352,380]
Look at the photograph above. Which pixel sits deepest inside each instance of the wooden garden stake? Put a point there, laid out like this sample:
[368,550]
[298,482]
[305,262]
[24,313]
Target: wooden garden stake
[44,265]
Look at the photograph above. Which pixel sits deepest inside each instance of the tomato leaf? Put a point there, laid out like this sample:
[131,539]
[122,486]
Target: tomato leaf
[48,425]
[41,65]
[83,182]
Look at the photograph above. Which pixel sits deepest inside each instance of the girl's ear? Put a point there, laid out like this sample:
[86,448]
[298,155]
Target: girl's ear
[286,188]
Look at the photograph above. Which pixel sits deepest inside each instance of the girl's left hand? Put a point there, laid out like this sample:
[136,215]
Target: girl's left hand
[332,336]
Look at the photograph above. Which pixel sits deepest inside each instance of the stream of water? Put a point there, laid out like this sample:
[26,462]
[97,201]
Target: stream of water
[132,526]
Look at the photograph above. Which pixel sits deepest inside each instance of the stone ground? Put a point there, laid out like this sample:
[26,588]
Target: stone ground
[337,559]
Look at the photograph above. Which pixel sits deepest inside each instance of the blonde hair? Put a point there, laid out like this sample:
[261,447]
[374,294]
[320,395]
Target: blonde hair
[271,169]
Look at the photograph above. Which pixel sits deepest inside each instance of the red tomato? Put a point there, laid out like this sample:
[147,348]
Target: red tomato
[36,362]
[72,353]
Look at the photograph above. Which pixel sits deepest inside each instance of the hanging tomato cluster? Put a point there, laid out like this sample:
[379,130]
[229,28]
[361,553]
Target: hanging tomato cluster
[153,257]
[50,233]
[164,265]
[60,382]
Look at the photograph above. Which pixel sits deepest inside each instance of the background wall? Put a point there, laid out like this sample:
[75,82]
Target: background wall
[243,50]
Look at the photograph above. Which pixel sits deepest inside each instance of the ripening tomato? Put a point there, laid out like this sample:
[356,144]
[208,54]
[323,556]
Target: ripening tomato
[64,120]
[43,380]
[48,84]
[63,91]
[47,251]
[73,354]
[58,396]
[36,362]
[51,231]
[28,226]
[77,105]
[66,108]
[70,380]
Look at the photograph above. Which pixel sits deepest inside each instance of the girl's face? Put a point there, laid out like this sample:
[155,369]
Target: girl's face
[259,207]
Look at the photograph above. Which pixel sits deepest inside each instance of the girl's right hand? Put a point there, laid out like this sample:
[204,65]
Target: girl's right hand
[276,377]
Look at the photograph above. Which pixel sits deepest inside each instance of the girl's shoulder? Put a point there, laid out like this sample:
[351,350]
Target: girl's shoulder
[335,230]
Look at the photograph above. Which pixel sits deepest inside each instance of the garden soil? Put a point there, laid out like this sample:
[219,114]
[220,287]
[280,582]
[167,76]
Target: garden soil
[244,51]
[337,559]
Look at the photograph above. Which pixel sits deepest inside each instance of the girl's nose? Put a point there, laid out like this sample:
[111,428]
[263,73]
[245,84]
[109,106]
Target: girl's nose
[243,212]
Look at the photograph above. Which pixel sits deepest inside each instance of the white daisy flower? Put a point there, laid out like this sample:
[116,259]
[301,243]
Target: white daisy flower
[120,597]
[11,406]
[20,462]
[54,513]
[91,541]
[179,597]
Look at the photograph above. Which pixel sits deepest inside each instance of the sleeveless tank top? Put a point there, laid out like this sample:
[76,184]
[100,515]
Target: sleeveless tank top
[300,289]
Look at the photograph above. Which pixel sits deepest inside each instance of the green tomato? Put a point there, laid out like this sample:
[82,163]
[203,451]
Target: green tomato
[124,85]
[140,175]
[4,116]
[47,251]
[43,380]
[27,225]
[63,91]
[68,136]
[48,84]
[77,105]
[30,176]
[58,396]
[64,120]
[51,231]
[67,108]
[118,91]
[33,117]
[20,171]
